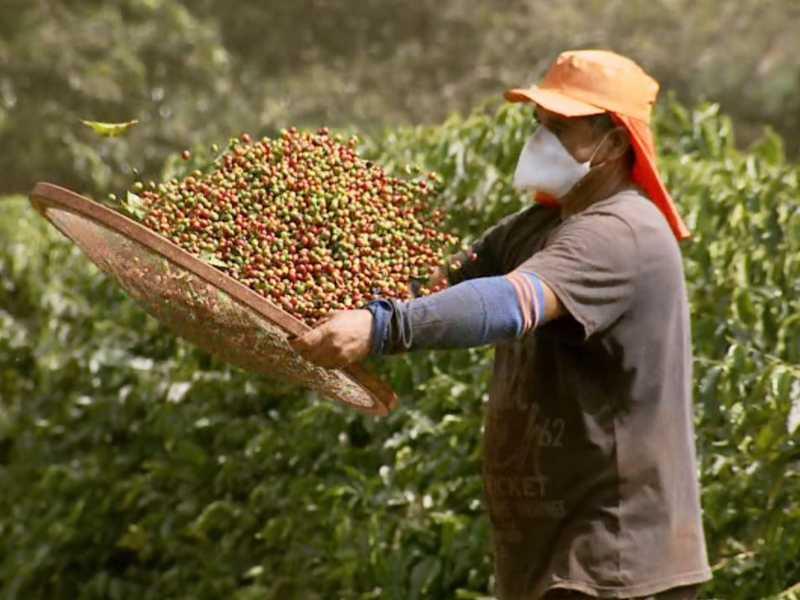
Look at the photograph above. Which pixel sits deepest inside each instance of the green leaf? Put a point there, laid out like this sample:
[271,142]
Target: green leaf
[770,147]
[135,538]
[211,259]
[110,129]
[134,206]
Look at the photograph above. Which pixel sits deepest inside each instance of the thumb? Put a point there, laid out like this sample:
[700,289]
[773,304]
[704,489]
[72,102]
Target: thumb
[324,319]
[305,341]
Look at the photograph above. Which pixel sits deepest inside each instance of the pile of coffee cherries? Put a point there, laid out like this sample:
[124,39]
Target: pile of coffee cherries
[304,221]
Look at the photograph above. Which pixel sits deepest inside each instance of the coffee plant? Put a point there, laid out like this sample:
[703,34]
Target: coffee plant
[136,466]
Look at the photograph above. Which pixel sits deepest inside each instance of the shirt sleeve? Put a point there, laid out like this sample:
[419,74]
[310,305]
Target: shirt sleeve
[473,313]
[486,251]
[592,265]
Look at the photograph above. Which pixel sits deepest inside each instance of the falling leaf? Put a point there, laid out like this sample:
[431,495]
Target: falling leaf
[211,259]
[110,129]
[134,206]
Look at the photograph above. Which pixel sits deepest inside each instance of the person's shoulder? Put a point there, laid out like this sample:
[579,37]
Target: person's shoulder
[529,219]
[628,204]
[612,216]
[533,210]
[638,213]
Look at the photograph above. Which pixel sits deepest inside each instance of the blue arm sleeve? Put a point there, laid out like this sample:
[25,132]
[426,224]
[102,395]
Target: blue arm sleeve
[476,312]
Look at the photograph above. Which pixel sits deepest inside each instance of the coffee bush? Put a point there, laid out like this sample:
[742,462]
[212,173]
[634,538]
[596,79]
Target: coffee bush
[135,466]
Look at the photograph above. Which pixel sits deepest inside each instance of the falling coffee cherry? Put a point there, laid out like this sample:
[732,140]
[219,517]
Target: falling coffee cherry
[304,221]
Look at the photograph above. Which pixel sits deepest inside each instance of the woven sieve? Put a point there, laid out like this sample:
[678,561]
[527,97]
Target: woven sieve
[201,303]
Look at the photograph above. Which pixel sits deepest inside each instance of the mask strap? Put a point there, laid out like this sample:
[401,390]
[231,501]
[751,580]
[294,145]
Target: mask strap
[599,145]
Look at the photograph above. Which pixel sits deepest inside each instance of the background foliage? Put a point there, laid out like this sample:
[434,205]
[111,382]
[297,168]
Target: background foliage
[198,71]
[135,466]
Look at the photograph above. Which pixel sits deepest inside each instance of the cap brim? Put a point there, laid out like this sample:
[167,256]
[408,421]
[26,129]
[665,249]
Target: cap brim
[553,101]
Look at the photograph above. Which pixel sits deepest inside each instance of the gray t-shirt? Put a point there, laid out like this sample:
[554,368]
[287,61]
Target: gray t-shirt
[590,473]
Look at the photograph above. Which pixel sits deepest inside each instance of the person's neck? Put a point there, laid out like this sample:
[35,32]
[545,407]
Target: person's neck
[598,185]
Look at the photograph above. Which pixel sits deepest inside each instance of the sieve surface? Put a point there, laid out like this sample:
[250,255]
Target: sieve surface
[199,302]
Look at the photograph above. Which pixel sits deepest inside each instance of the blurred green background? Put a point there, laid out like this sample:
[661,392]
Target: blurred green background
[202,70]
[133,465]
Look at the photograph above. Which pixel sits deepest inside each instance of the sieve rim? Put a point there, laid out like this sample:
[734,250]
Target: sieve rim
[45,194]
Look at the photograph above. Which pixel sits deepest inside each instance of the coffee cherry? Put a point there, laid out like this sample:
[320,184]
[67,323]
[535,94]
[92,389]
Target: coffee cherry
[304,221]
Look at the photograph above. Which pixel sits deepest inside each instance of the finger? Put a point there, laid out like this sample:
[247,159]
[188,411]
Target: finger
[306,341]
[335,361]
[296,342]
[316,355]
[325,355]
[319,349]
[323,320]
[307,338]
[327,362]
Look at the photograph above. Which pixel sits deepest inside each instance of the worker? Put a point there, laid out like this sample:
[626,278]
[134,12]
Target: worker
[589,466]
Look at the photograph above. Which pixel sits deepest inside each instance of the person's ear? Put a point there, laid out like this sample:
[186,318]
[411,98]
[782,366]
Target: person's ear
[612,146]
[617,144]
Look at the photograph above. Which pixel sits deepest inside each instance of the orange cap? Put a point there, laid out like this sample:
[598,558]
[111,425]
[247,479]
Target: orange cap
[591,82]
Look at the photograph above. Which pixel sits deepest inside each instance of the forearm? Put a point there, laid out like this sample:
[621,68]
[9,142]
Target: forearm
[472,313]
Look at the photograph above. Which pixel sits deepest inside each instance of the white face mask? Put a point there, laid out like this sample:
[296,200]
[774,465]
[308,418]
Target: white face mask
[545,165]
